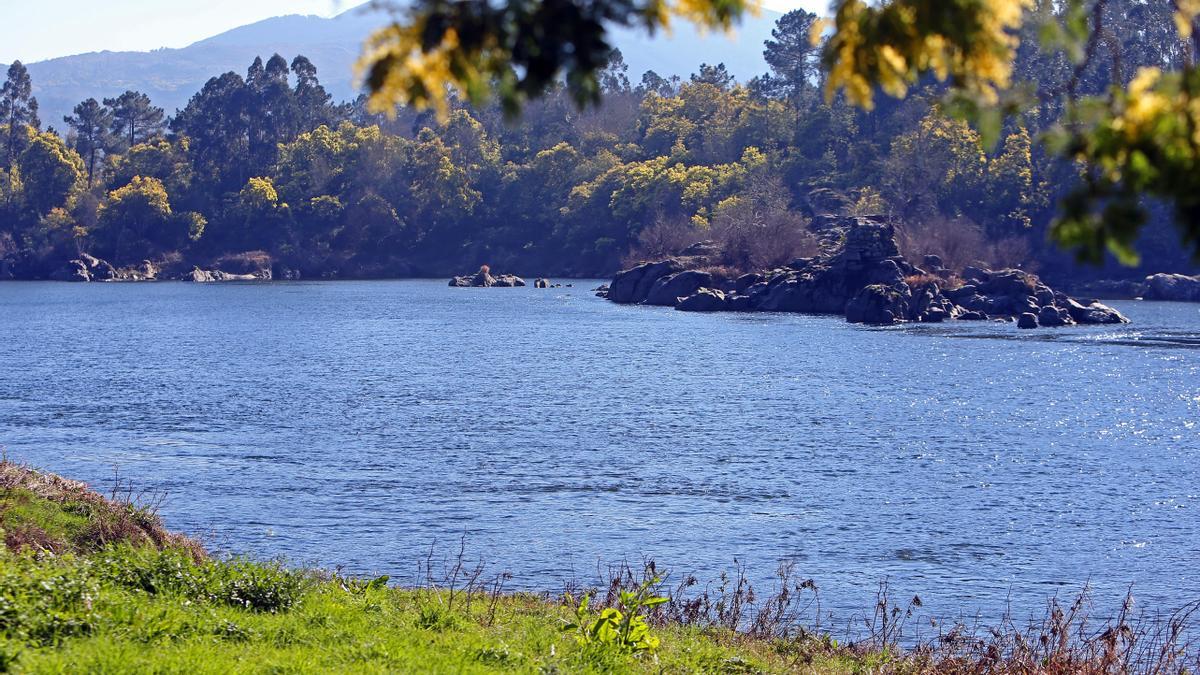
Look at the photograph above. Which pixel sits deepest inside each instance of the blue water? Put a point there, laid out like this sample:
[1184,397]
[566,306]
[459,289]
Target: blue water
[362,423]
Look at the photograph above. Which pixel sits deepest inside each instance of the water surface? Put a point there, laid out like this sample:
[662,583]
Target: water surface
[361,423]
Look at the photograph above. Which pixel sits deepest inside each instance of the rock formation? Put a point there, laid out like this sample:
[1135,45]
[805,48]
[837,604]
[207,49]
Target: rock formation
[1174,287]
[863,277]
[484,279]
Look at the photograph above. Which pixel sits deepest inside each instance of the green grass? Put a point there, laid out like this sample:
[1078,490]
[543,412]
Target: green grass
[91,585]
[127,610]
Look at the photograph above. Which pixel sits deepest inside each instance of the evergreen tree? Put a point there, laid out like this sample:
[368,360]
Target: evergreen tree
[791,54]
[90,127]
[135,120]
[18,109]
[312,101]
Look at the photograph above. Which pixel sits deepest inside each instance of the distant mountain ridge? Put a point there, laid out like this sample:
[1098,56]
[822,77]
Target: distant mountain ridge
[171,76]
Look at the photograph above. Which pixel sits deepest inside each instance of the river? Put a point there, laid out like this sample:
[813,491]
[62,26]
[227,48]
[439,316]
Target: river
[361,424]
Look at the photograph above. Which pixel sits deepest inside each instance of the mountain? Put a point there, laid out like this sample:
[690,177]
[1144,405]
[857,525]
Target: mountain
[171,76]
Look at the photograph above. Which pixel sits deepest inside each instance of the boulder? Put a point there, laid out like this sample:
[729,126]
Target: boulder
[74,270]
[632,285]
[199,276]
[542,283]
[877,304]
[508,281]
[739,303]
[742,283]
[1027,321]
[934,315]
[704,300]
[976,274]
[100,270]
[668,290]
[1172,287]
[1053,317]
[484,279]
[1094,313]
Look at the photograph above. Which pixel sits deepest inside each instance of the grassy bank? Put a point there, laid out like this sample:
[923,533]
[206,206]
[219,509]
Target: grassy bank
[95,584]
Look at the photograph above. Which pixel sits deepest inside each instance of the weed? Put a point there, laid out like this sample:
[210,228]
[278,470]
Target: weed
[623,627]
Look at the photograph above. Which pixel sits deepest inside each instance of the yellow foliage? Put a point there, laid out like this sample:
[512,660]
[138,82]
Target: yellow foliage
[1186,12]
[969,41]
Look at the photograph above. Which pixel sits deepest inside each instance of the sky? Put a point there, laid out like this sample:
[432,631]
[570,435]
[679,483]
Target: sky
[35,30]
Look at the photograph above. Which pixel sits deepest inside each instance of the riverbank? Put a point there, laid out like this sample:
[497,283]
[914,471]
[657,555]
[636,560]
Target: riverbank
[97,584]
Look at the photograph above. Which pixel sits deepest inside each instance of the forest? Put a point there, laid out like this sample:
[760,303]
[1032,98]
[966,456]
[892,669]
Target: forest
[266,167]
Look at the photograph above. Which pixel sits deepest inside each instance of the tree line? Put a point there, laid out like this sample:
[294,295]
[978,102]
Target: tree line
[267,162]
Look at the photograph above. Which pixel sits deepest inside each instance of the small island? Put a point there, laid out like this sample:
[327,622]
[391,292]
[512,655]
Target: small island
[862,276]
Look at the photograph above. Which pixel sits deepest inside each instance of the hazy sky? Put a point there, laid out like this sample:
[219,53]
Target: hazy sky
[33,30]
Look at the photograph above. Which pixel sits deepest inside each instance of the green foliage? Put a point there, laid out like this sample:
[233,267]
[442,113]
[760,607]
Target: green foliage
[624,627]
[133,119]
[42,604]
[51,173]
[18,111]
[239,583]
[519,50]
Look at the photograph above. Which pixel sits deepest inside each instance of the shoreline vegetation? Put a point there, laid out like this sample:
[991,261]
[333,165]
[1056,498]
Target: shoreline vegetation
[92,583]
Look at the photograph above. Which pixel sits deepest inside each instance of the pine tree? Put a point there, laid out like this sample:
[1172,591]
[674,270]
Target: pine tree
[135,120]
[18,108]
[90,126]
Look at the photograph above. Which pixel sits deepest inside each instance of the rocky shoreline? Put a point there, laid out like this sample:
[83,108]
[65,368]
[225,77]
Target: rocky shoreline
[863,277]
[484,279]
[87,268]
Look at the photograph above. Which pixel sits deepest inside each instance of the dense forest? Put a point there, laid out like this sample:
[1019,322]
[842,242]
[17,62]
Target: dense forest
[267,168]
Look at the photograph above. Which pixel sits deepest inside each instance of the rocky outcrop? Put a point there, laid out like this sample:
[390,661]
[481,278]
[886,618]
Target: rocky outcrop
[200,276]
[863,277]
[85,268]
[704,300]
[669,290]
[633,285]
[1172,287]
[484,279]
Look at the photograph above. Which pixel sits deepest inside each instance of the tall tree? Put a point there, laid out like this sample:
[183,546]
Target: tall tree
[18,108]
[791,54]
[90,126]
[312,101]
[135,119]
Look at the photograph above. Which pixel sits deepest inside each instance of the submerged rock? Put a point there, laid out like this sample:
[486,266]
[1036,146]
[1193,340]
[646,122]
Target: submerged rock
[1027,320]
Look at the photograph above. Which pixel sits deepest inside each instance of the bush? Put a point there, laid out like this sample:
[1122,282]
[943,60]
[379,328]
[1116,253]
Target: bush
[262,587]
[43,603]
[664,238]
[758,231]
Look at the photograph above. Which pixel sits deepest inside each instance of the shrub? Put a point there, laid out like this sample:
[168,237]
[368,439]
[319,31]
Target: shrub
[665,237]
[43,603]
[758,231]
[960,242]
[261,587]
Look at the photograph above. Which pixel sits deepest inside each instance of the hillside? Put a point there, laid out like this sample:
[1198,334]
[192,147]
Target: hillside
[171,76]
